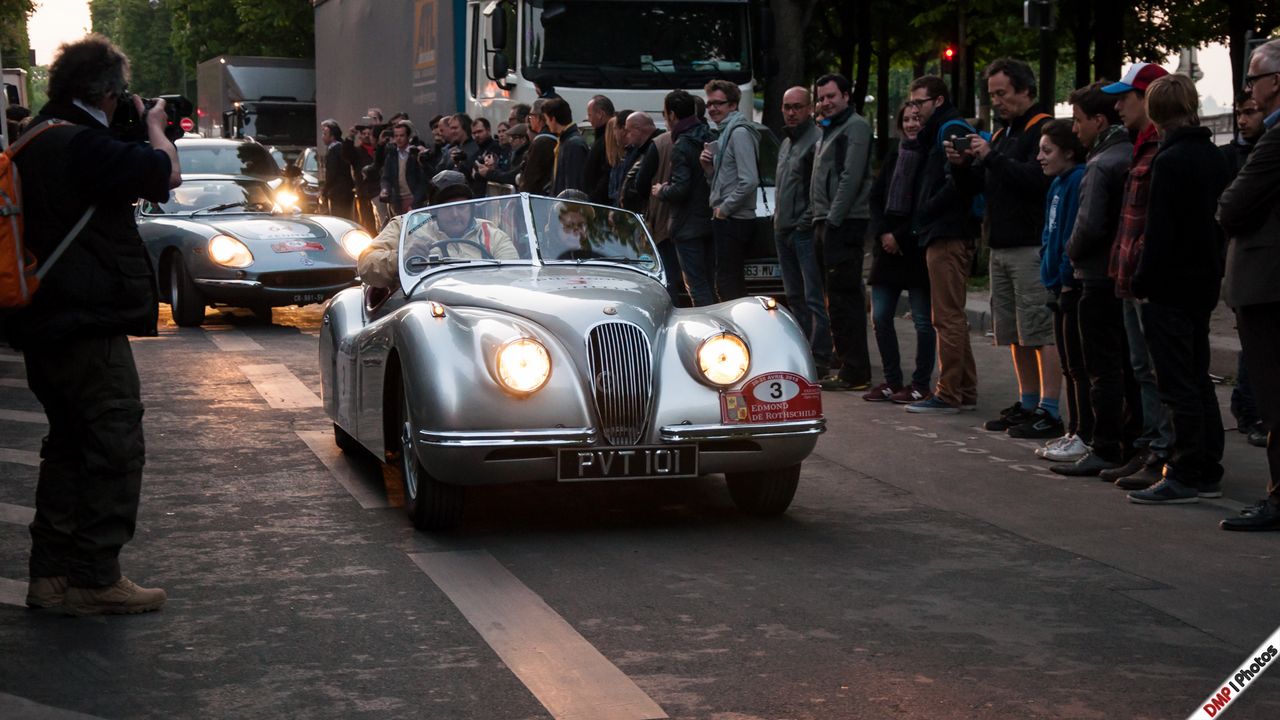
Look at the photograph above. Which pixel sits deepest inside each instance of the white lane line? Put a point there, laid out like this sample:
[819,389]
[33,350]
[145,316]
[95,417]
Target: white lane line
[13,592]
[13,382]
[571,679]
[280,388]
[231,340]
[16,514]
[21,457]
[12,706]
[11,358]
[369,492]
[23,416]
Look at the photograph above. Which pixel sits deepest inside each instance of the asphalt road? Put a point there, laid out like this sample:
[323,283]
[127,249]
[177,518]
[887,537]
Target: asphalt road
[927,569]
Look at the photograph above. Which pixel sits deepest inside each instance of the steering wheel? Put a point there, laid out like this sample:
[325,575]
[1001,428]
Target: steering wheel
[484,253]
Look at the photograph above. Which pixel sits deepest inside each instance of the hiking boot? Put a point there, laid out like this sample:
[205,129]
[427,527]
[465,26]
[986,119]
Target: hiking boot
[911,394]
[1132,466]
[933,405]
[883,392]
[1039,424]
[46,592]
[1010,416]
[122,598]
[1166,492]
[1069,451]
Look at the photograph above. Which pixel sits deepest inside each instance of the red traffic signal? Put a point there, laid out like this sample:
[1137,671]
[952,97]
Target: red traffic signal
[949,54]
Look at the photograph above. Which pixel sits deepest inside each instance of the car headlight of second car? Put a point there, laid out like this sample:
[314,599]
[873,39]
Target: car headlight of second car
[229,252]
[356,242]
[723,359]
[523,365]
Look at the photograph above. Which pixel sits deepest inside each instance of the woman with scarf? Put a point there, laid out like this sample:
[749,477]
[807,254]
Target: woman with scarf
[897,265]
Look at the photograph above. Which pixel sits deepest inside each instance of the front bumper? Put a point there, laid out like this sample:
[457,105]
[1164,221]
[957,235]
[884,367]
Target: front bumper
[488,457]
[246,293]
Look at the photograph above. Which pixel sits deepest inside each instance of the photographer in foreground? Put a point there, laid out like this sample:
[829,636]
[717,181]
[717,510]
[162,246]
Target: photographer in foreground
[74,333]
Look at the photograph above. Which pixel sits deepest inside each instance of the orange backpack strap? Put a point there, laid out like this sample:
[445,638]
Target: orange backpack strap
[1035,119]
[32,133]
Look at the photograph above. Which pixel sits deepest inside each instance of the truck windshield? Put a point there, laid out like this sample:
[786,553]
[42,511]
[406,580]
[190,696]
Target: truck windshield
[603,43]
[284,124]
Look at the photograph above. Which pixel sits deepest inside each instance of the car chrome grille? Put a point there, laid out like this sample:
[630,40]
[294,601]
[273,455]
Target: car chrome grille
[621,380]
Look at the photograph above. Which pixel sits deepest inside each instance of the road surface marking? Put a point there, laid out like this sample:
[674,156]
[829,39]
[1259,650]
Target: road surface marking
[232,340]
[16,514]
[280,388]
[13,382]
[12,706]
[368,493]
[10,357]
[571,679]
[13,592]
[21,457]
[23,416]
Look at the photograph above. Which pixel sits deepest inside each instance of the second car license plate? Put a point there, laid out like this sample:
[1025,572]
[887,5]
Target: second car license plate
[760,270]
[308,298]
[628,463]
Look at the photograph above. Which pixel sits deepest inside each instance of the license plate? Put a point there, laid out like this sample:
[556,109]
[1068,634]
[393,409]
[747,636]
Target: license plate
[753,271]
[628,463]
[308,298]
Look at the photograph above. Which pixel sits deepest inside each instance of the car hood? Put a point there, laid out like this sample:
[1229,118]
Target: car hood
[271,229]
[566,300]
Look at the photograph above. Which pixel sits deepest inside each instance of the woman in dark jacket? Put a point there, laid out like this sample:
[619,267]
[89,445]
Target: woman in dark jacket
[898,264]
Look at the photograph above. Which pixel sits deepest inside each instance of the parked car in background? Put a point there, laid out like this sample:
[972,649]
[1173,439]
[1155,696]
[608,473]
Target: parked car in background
[224,240]
[533,339]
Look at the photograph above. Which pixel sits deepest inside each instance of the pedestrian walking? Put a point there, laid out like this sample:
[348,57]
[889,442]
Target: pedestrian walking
[687,194]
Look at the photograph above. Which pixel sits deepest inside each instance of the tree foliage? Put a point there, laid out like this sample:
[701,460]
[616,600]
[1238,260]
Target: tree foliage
[14,46]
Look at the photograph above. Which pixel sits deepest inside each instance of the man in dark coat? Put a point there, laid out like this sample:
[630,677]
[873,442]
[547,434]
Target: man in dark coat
[339,186]
[74,335]
[540,161]
[595,176]
[571,153]
[404,181]
[688,194]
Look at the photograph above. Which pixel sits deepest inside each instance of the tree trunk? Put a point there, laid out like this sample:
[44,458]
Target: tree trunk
[790,20]
[1241,15]
[884,58]
[1083,38]
[1108,38]
[848,36]
[963,86]
[865,46]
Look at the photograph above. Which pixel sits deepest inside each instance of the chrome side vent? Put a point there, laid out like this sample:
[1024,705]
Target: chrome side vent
[621,380]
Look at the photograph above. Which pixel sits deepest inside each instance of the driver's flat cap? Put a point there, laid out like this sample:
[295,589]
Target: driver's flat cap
[448,185]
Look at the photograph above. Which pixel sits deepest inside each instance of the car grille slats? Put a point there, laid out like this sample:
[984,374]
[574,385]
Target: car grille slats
[621,380]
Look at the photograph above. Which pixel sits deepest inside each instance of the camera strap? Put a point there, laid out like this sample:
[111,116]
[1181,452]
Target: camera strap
[66,242]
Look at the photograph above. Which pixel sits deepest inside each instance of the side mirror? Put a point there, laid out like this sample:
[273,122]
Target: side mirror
[500,67]
[498,31]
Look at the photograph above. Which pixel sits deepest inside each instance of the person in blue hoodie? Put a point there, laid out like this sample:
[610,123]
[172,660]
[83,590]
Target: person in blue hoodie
[1062,158]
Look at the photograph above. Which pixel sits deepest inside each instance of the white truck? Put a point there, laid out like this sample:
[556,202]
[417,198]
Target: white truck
[272,100]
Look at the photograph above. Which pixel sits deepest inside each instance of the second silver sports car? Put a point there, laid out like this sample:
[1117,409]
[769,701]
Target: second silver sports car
[224,240]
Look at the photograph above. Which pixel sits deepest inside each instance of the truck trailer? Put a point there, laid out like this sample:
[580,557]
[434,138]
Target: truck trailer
[271,100]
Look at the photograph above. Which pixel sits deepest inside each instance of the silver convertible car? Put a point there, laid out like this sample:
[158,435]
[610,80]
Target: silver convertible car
[529,338]
[224,240]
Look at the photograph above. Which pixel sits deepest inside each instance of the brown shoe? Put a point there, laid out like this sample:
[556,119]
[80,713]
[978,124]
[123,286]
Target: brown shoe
[46,592]
[122,598]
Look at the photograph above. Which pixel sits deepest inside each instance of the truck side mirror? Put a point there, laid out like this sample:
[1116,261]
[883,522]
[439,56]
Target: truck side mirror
[498,32]
[499,67]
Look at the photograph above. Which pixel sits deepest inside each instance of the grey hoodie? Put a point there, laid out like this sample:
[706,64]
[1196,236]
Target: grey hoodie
[735,177]
[1101,193]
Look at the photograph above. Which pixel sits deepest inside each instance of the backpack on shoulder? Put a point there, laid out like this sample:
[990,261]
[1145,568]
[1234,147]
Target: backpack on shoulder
[19,275]
[766,164]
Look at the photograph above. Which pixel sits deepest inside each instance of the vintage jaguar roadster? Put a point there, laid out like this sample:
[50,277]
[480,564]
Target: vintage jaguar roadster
[532,339]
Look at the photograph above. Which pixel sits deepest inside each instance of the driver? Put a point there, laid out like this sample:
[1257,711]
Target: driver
[380,264]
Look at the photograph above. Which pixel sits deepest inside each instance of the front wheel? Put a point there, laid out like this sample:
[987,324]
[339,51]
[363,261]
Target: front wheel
[431,504]
[185,300]
[764,493]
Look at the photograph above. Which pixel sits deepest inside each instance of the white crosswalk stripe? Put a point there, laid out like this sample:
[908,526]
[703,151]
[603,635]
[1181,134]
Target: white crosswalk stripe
[13,382]
[369,492]
[16,514]
[279,387]
[23,416]
[232,340]
[21,457]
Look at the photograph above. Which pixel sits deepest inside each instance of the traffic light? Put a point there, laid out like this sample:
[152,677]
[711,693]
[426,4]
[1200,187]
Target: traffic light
[948,60]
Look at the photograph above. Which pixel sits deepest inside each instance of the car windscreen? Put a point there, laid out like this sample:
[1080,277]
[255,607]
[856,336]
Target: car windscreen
[576,232]
[230,159]
[488,231]
[194,195]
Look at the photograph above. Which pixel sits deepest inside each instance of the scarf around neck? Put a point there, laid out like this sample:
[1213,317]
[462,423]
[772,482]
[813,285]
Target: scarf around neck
[902,184]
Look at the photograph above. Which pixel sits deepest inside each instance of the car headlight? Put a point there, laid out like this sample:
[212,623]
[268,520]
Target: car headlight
[523,365]
[228,251]
[286,198]
[356,242]
[723,359]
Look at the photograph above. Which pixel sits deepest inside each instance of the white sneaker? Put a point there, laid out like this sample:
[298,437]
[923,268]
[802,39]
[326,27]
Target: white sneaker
[1054,443]
[1068,452]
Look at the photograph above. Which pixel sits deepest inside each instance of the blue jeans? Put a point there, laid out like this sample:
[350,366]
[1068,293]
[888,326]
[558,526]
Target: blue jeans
[884,305]
[802,278]
[697,262]
[1157,425]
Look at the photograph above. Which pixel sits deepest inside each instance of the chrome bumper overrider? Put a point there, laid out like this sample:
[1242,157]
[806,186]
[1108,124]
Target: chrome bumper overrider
[685,433]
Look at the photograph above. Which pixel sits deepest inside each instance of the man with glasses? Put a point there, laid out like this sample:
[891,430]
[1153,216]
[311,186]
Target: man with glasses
[1249,211]
[944,226]
[733,173]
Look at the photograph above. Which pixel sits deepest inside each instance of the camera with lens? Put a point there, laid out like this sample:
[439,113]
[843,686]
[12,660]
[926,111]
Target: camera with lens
[128,125]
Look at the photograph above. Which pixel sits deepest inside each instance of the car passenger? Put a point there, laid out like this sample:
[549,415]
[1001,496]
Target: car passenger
[380,264]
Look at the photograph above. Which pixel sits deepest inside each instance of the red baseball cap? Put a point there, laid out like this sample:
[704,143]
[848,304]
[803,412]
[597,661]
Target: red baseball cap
[1139,77]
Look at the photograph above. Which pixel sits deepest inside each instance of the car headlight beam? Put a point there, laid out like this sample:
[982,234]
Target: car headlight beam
[723,359]
[229,252]
[355,242]
[286,198]
[523,366]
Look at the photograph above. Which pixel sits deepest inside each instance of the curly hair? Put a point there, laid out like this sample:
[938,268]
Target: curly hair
[88,70]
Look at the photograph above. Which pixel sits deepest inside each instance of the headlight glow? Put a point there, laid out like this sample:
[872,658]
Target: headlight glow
[523,365]
[286,198]
[228,251]
[723,359]
[355,242]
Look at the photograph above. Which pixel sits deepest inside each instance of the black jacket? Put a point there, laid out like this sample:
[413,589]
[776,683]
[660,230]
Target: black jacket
[414,175]
[1249,210]
[104,284]
[338,182]
[571,159]
[635,191]
[1013,183]
[907,270]
[687,193]
[595,175]
[942,211]
[1236,153]
[1101,200]
[1182,253]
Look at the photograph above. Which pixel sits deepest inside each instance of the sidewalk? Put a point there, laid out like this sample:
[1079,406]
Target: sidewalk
[1224,343]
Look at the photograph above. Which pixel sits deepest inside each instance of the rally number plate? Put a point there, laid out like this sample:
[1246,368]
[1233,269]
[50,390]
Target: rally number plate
[628,463]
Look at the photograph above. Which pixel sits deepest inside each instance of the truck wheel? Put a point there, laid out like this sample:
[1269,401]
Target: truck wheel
[184,298]
[431,504]
[764,493]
